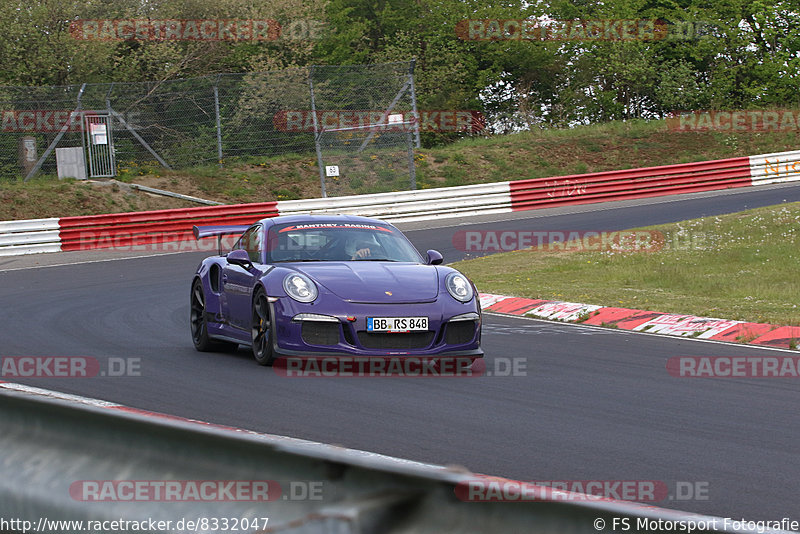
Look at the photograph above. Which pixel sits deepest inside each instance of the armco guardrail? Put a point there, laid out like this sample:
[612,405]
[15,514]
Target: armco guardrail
[775,168]
[79,460]
[29,236]
[628,184]
[122,230]
[409,206]
[130,229]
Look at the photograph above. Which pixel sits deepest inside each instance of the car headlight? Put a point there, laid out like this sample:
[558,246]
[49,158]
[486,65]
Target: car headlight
[459,287]
[300,287]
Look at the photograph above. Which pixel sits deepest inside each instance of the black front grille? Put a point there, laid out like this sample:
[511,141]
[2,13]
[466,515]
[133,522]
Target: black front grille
[400,341]
[320,333]
[459,332]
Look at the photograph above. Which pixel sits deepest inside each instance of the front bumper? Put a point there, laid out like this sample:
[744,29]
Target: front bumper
[325,331]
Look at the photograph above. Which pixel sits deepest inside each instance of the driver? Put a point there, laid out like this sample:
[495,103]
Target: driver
[363,250]
[361,247]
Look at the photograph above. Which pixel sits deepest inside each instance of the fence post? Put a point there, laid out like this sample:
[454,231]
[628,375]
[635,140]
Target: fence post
[317,133]
[414,99]
[219,122]
[412,170]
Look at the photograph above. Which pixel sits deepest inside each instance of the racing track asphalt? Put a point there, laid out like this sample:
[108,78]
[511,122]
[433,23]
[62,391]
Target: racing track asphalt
[593,404]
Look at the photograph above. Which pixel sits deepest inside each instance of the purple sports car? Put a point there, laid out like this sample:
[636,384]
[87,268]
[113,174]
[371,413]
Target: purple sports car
[313,285]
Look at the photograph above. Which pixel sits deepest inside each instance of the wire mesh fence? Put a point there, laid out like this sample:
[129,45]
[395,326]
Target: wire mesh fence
[35,114]
[217,119]
[365,126]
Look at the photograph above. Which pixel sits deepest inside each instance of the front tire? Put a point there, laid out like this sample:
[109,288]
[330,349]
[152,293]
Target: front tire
[261,332]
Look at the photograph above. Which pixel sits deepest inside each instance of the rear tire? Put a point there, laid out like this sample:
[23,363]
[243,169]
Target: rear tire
[197,322]
[261,331]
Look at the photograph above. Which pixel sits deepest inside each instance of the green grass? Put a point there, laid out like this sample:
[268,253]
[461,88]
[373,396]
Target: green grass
[739,266]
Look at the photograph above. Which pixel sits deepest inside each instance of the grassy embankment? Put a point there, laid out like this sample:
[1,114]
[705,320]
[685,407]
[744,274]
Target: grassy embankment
[477,160]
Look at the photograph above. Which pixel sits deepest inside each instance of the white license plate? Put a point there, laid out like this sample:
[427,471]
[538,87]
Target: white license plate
[396,324]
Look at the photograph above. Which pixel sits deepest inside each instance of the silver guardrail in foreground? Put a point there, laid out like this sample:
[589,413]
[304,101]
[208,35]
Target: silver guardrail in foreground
[66,460]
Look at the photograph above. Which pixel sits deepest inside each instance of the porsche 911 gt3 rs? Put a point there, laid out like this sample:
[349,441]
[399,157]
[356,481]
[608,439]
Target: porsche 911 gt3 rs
[314,285]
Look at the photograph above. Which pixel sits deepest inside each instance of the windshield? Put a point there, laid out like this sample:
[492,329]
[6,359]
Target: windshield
[338,241]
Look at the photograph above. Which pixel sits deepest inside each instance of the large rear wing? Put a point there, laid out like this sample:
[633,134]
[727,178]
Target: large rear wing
[218,230]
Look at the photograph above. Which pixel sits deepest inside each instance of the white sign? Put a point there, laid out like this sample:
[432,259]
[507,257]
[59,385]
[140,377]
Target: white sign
[29,147]
[396,118]
[98,131]
[332,170]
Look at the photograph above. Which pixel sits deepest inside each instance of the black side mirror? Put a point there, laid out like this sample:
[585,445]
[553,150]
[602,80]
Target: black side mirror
[434,257]
[239,257]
